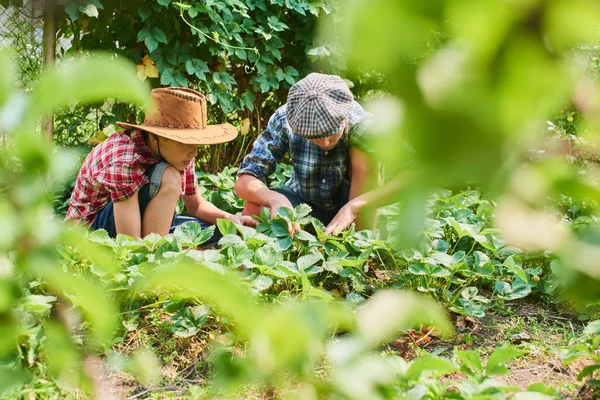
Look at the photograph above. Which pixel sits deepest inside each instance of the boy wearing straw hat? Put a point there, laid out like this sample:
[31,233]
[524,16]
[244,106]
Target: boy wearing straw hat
[131,182]
[322,129]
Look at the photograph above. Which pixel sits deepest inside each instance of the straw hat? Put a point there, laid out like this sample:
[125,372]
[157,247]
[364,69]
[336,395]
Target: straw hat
[179,114]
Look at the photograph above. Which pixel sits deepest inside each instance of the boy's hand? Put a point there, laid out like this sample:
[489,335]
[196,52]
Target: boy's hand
[243,220]
[277,200]
[345,217]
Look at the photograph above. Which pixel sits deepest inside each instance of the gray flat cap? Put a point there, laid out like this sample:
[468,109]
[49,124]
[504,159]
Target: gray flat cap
[318,106]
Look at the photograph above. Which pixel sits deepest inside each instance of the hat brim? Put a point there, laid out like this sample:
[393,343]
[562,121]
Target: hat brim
[212,134]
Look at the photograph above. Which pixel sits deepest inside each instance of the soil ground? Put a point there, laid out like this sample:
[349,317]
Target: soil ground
[540,329]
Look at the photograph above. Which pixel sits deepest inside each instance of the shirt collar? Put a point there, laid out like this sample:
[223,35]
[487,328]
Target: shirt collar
[146,155]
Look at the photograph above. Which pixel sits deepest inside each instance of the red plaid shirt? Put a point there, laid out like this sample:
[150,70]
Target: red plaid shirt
[114,170]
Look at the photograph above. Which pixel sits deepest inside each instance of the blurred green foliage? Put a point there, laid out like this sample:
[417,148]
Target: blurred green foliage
[471,87]
[475,107]
[59,304]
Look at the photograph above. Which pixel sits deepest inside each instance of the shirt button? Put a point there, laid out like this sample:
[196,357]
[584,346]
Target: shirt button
[324,181]
[326,152]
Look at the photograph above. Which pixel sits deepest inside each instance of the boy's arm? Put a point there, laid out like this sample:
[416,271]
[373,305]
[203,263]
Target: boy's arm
[268,149]
[127,216]
[253,190]
[360,172]
[375,198]
[203,209]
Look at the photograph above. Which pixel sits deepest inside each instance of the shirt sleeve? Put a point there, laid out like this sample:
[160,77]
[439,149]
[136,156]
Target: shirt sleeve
[359,124]
[359,138]
[269,148]
[121,180]
[190,180]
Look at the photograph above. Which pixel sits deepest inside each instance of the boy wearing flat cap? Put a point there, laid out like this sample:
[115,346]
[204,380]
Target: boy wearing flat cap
[131,182]
[323,130]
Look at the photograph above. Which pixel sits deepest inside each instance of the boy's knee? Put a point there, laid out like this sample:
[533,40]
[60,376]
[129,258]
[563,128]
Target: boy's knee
[171,181]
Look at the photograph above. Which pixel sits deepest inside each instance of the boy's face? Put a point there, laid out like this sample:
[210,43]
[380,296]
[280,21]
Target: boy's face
[329,142]
[179,155]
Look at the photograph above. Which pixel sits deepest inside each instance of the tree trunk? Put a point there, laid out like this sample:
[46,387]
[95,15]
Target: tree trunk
[49,43]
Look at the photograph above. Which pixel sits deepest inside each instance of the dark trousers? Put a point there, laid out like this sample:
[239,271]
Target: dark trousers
[106,218]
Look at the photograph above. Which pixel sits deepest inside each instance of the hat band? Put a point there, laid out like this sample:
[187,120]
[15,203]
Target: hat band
[171,126]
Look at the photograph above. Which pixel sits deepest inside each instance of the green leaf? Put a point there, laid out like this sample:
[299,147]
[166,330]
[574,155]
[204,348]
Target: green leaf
[197,67]
[470,358]
[164,3]
[231,239]
[248,100]
[267,256]
[72,9]
[587,371]
[288,267]
[418,269]
[518,291]
[264,83]
[305,236]
[470,292]
[226,227]
[275,24]
[440,272]
[514,291]
[38,304]
[284,242]
[151,43]
[291,71]
[241,54]
[280,74]
[458,257]
[302,212]
[481,259]
[470,308]
[143,34]
[280,228]
[593,328]
[499,357]
[441,258]
[227,80]
[191,234]
[261,283]
[503,288]
[144,11]
[90,79]
[308,260]
[159,35]
[485,270]
[192,12]
[286,212]
[434,366]
[513,264]
[187,322]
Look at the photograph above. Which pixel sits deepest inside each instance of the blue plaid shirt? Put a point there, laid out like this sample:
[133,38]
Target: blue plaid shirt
[317,173]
